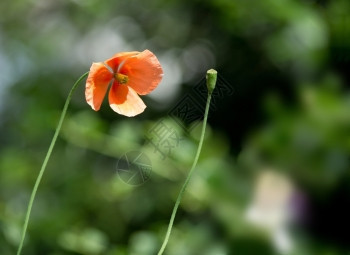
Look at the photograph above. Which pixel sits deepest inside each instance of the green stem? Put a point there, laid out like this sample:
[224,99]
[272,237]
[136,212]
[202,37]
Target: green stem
[47,157]
[178,200]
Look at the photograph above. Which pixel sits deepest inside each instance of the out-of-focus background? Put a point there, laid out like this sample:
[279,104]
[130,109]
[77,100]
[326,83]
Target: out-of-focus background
[273,177]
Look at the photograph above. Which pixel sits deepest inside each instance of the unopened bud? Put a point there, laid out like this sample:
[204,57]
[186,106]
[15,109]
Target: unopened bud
[211,79]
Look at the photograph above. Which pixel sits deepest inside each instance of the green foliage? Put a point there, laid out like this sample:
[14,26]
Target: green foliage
[288,62]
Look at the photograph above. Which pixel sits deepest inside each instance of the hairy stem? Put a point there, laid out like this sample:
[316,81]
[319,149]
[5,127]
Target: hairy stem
[184,186]
[47,157]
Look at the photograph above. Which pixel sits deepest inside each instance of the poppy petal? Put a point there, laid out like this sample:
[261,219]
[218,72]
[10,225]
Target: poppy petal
[125,101]
[144,72]
[118,58]
[97,85]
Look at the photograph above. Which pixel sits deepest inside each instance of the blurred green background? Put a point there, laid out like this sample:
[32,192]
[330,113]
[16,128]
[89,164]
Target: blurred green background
[273,177]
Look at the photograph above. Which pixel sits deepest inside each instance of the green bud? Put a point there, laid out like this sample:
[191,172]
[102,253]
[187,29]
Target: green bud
[211,80]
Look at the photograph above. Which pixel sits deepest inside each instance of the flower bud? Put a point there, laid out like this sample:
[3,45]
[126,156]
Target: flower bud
[211,80]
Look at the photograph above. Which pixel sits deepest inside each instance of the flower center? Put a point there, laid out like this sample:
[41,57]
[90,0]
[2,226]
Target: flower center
[121,78]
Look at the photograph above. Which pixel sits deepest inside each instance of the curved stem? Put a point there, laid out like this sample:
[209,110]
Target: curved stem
[47,157]
[184,186]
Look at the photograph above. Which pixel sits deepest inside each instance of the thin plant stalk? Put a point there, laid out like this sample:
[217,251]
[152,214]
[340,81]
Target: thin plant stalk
[211,82]
[47,157]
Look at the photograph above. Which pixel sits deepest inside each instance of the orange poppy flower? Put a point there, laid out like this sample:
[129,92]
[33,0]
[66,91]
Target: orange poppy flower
[131,74]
